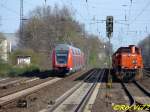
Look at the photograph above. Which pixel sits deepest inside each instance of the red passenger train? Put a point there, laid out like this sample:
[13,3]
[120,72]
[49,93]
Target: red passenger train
[66,58]
[127,63]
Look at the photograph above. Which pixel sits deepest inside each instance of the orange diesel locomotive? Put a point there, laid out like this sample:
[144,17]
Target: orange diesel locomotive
[66,58]
[127,63]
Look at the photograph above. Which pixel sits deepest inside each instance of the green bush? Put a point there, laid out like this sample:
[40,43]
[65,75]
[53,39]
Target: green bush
[31,68]
[4,69]
[13,71]
[35,57]
[19,71]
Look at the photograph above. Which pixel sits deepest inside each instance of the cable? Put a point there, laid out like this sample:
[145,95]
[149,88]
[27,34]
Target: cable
[88,12]
[27,2]
[131,1]
[10,10]
[140,13]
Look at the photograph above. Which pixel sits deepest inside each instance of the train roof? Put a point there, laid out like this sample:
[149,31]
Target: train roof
[66,46]
[123,49]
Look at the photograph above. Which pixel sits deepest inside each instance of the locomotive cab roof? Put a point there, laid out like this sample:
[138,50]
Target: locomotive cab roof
[127,49]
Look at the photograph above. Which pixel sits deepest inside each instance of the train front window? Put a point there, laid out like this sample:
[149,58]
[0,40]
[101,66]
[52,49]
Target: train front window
[61,56]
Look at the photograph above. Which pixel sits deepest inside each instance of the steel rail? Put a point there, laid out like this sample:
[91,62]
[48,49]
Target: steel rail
[12,97]
[146,69]
[142,88]
[60,100]
[131,98]
[86,98]
[146,73]
[133,101]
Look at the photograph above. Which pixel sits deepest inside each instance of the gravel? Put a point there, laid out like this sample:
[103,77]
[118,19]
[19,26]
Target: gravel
[107,97]
[145,81]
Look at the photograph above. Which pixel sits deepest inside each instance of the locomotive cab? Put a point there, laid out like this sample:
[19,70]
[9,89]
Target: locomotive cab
[127,62]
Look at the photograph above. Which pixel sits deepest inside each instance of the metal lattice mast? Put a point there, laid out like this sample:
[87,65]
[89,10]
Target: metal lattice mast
[21,18]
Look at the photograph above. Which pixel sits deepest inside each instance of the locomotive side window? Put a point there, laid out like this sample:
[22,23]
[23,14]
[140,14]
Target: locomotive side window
[137,50]
[126,50]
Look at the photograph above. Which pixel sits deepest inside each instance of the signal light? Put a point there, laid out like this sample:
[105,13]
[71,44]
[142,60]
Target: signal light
[109,26]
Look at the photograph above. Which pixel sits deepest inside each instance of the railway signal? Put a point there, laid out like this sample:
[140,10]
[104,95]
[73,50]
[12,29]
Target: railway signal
[109,31]
[109,26]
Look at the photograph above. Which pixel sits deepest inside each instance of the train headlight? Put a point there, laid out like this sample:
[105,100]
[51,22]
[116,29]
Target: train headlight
[70,68]
[122,66]
[134,62]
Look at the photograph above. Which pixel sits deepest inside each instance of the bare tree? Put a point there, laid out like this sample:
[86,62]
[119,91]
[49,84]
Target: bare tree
[145,47]
[2,38]
[48,26]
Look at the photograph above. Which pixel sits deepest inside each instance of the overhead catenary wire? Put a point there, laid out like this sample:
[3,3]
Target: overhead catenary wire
[76,11]
[81,15]
[21,18]
[88,12]
[8,9]
[118,21]
[130,7]
[140,13]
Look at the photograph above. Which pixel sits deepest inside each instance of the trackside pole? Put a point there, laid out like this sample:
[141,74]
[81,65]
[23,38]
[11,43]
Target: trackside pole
[109,80]
[109,31]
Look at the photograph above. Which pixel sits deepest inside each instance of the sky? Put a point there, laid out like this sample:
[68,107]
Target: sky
[131,17]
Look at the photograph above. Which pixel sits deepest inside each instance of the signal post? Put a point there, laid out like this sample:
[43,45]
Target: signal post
[109,33]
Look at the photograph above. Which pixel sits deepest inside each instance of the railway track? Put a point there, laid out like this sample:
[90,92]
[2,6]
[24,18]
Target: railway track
[137,95]
[146,72]
[77,99]
[145,80]
[11,87]
[17,85]
[15,82]
[4,100]
[17,95]
[22,97]
[147,69]
[7,80]
[3,79]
